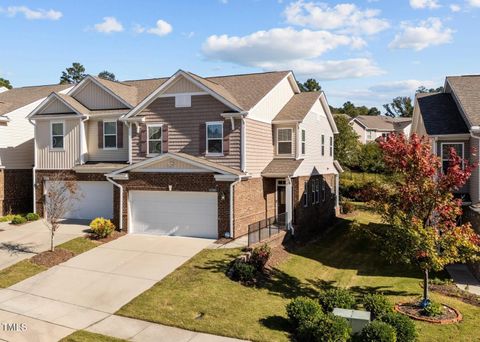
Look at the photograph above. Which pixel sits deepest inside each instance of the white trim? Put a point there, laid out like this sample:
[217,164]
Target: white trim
[451,136]
[179,170]
[105,134]
[84,83]
[291,142]
[277,184]
[198,93]
[120,187]
[452,143]
[50,144]
[326,108]
[213,154]
[243,144]
[59,117]
[129,125]
[150,154]
[303,142]
[47,101]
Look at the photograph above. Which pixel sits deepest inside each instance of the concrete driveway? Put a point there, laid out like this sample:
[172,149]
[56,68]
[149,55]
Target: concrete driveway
[92,286]
[21,242]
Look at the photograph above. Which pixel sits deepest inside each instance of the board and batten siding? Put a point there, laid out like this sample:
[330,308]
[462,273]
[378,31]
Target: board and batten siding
[95,98]
[184,127]
[294,140]
[96,154]
[182,85]
[259,146]
[58,159]
[56,106]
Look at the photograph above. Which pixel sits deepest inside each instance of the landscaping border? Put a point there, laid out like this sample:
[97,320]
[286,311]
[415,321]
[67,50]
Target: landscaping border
[459,317]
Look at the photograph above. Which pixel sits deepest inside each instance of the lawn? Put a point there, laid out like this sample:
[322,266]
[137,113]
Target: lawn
[198,296]
[85,336]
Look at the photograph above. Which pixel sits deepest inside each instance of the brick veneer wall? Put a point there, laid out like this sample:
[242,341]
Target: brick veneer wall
[472,215]
[16,194]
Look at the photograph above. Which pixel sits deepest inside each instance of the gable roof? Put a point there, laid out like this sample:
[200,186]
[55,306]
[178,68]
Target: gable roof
[76,107]
[18,97]
[298,107]
[440,114]
[281,167]
[466,89]
[382,122]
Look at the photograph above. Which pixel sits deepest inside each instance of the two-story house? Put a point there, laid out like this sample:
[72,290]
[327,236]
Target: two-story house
[188,155]
[371,127]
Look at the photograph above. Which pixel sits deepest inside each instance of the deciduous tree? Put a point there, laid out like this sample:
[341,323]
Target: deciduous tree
[347,146]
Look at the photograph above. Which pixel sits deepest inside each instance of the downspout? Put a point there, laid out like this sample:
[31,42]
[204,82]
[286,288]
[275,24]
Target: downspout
[290,209]
[82,137]
[243,154]
[120,187]
[34,165]
[232,186]
[129,124]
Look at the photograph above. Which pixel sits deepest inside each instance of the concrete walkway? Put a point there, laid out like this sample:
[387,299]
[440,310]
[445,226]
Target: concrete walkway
[464,279]
[92,286]
[22,242]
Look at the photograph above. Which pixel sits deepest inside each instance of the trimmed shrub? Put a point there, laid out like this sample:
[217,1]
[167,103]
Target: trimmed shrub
[432,309]
[302,309]
[347,207]
[324,328]
[377,304]
[7,218]
[17,219]
[32,217]
[378,331]
[260,256]
[243,271]
[404,326]
[101,228]
[336,298]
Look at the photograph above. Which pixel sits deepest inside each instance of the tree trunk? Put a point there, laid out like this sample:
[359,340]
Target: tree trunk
[425,300]
[52,242]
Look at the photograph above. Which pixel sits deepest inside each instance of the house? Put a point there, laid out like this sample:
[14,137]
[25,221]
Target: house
[16,145]
[190,155]
[371,127]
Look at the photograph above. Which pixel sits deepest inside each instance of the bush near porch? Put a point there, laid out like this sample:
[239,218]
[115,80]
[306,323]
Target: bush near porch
[198,296]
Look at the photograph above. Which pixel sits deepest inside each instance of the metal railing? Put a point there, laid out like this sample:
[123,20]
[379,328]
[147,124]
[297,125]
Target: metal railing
[264,229]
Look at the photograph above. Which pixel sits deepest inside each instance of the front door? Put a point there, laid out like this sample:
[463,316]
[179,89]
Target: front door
[281,198]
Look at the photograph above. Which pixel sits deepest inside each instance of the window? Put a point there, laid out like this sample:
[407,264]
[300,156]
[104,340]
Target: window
[305,194]
[331,146]
[303,141]
[323,145]
[214,138]
[154,139]
[323,190]
[284,141]
[369,135]
[57,133]
[317,190]
[183,100]
[110,134]
[446,147]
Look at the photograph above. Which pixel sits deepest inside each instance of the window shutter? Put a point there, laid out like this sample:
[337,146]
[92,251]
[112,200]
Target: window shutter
[100,134]
[226,144]
[119,134]
[143,140]
[165,138]
[202,136]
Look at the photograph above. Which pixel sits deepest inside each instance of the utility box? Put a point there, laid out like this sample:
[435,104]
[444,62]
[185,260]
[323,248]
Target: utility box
[357,319]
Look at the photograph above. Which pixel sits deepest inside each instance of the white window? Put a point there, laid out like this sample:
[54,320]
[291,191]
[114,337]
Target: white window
[323,189]
[110,134]
[303,141]
[369,134]
[57,135]
[323,145]
[154,139]
[445,150]
[284,140]
[331,146]
[215,138]
[305,194]
[183,100]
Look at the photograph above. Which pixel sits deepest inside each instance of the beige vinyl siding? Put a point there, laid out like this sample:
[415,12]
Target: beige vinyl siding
[55,107]
[94,97]
[360,130]
[109,155]
[294,140]
[63,159]
[182,85]
[259,146]
[184,127]
[474,178]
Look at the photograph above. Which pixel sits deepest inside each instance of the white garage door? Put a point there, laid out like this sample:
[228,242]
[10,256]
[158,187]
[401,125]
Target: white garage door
[174,213]
[95,200]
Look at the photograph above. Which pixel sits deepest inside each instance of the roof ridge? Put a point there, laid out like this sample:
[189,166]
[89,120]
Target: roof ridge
[43,85]
[115,82]
[250,73]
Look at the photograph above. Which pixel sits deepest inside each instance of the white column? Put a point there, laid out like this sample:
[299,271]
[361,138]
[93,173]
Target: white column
[289,202]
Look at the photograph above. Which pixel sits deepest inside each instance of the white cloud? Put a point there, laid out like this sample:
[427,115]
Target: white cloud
[137,28]
[345,18]
[427,33]
[474,3]
[404,87]
[455,8]
[109,25]
[39,14]
[419,4]
[161,29]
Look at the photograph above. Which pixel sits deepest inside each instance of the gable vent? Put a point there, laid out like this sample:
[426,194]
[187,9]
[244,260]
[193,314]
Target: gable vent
[183,100]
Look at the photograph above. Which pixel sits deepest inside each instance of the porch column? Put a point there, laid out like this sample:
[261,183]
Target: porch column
[288,202]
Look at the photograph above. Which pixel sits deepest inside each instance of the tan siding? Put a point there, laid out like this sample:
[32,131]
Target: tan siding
[273,102]
[56,106]
[259,146]
[93,97]
[183,85]
[97,154]
[360,130]
[184,123]
[294,140]
[51,159]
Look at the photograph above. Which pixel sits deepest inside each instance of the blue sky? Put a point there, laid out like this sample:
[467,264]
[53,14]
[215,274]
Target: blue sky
[364,51]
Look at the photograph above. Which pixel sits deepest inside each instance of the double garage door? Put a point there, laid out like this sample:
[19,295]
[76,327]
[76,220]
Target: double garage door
[174,213]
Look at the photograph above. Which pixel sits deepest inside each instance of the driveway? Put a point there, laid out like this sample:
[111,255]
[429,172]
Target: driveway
[92,286]
[21,242]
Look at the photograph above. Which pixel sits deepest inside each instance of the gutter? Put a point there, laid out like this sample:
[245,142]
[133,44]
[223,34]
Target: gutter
[232,188]
[243,148]
[34,169]
[120,187]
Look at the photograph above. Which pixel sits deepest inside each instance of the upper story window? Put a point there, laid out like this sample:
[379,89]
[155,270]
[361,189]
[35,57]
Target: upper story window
[303,141]
[323,145]
[215,138]
[110,134]
[154,139]
[57,135]
[284,140]
[331,146]
[446,147]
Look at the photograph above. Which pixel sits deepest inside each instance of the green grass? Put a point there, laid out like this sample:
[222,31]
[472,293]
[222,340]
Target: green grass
[85,336]
[18,272]
[198,296]
[363,176]
[78,245]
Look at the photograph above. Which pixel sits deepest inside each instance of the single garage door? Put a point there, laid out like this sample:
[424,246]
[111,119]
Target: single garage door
[174,213]
[95,200]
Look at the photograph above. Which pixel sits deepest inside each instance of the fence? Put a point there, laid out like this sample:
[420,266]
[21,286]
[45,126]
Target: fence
[264,229]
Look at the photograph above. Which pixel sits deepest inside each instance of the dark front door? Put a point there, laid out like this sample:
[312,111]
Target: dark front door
[281,199]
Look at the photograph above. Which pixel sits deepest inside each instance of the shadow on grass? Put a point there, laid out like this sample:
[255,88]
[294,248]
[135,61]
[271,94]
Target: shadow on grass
[17,248]
[278,323]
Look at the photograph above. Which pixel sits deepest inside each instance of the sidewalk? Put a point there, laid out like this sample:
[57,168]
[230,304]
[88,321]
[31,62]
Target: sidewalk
[462,277]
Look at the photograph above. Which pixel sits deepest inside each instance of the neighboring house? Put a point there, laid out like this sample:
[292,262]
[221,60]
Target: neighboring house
[371,127]
[193,156]
[16,145]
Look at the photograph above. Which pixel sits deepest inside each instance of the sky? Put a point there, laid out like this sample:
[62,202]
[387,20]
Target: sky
[364,51]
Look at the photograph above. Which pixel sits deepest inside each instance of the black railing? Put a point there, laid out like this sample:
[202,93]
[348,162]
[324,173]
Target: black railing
[264,229]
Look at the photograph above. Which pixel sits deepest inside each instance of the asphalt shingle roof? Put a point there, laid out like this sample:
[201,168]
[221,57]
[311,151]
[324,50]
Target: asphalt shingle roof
[467,91]
[282,166]
[298,106]
[382,122]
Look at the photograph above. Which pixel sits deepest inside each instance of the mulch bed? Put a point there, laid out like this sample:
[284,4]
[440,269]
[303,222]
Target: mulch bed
[115,235]
[451,290]
[412,310]
[279,255]
[50,259]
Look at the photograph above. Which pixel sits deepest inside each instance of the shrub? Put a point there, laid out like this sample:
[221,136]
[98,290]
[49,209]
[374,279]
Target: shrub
[7,218]
[324,328]
[336,298]
[432,309]
[260,256]
[377,304]
[101,228]
[245,272]
[32,217]
[17,219]
[302,309]
[347,207]
[378,331]
[404,326]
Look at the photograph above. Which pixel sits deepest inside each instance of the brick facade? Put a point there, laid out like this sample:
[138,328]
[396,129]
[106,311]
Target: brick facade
[16,195]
